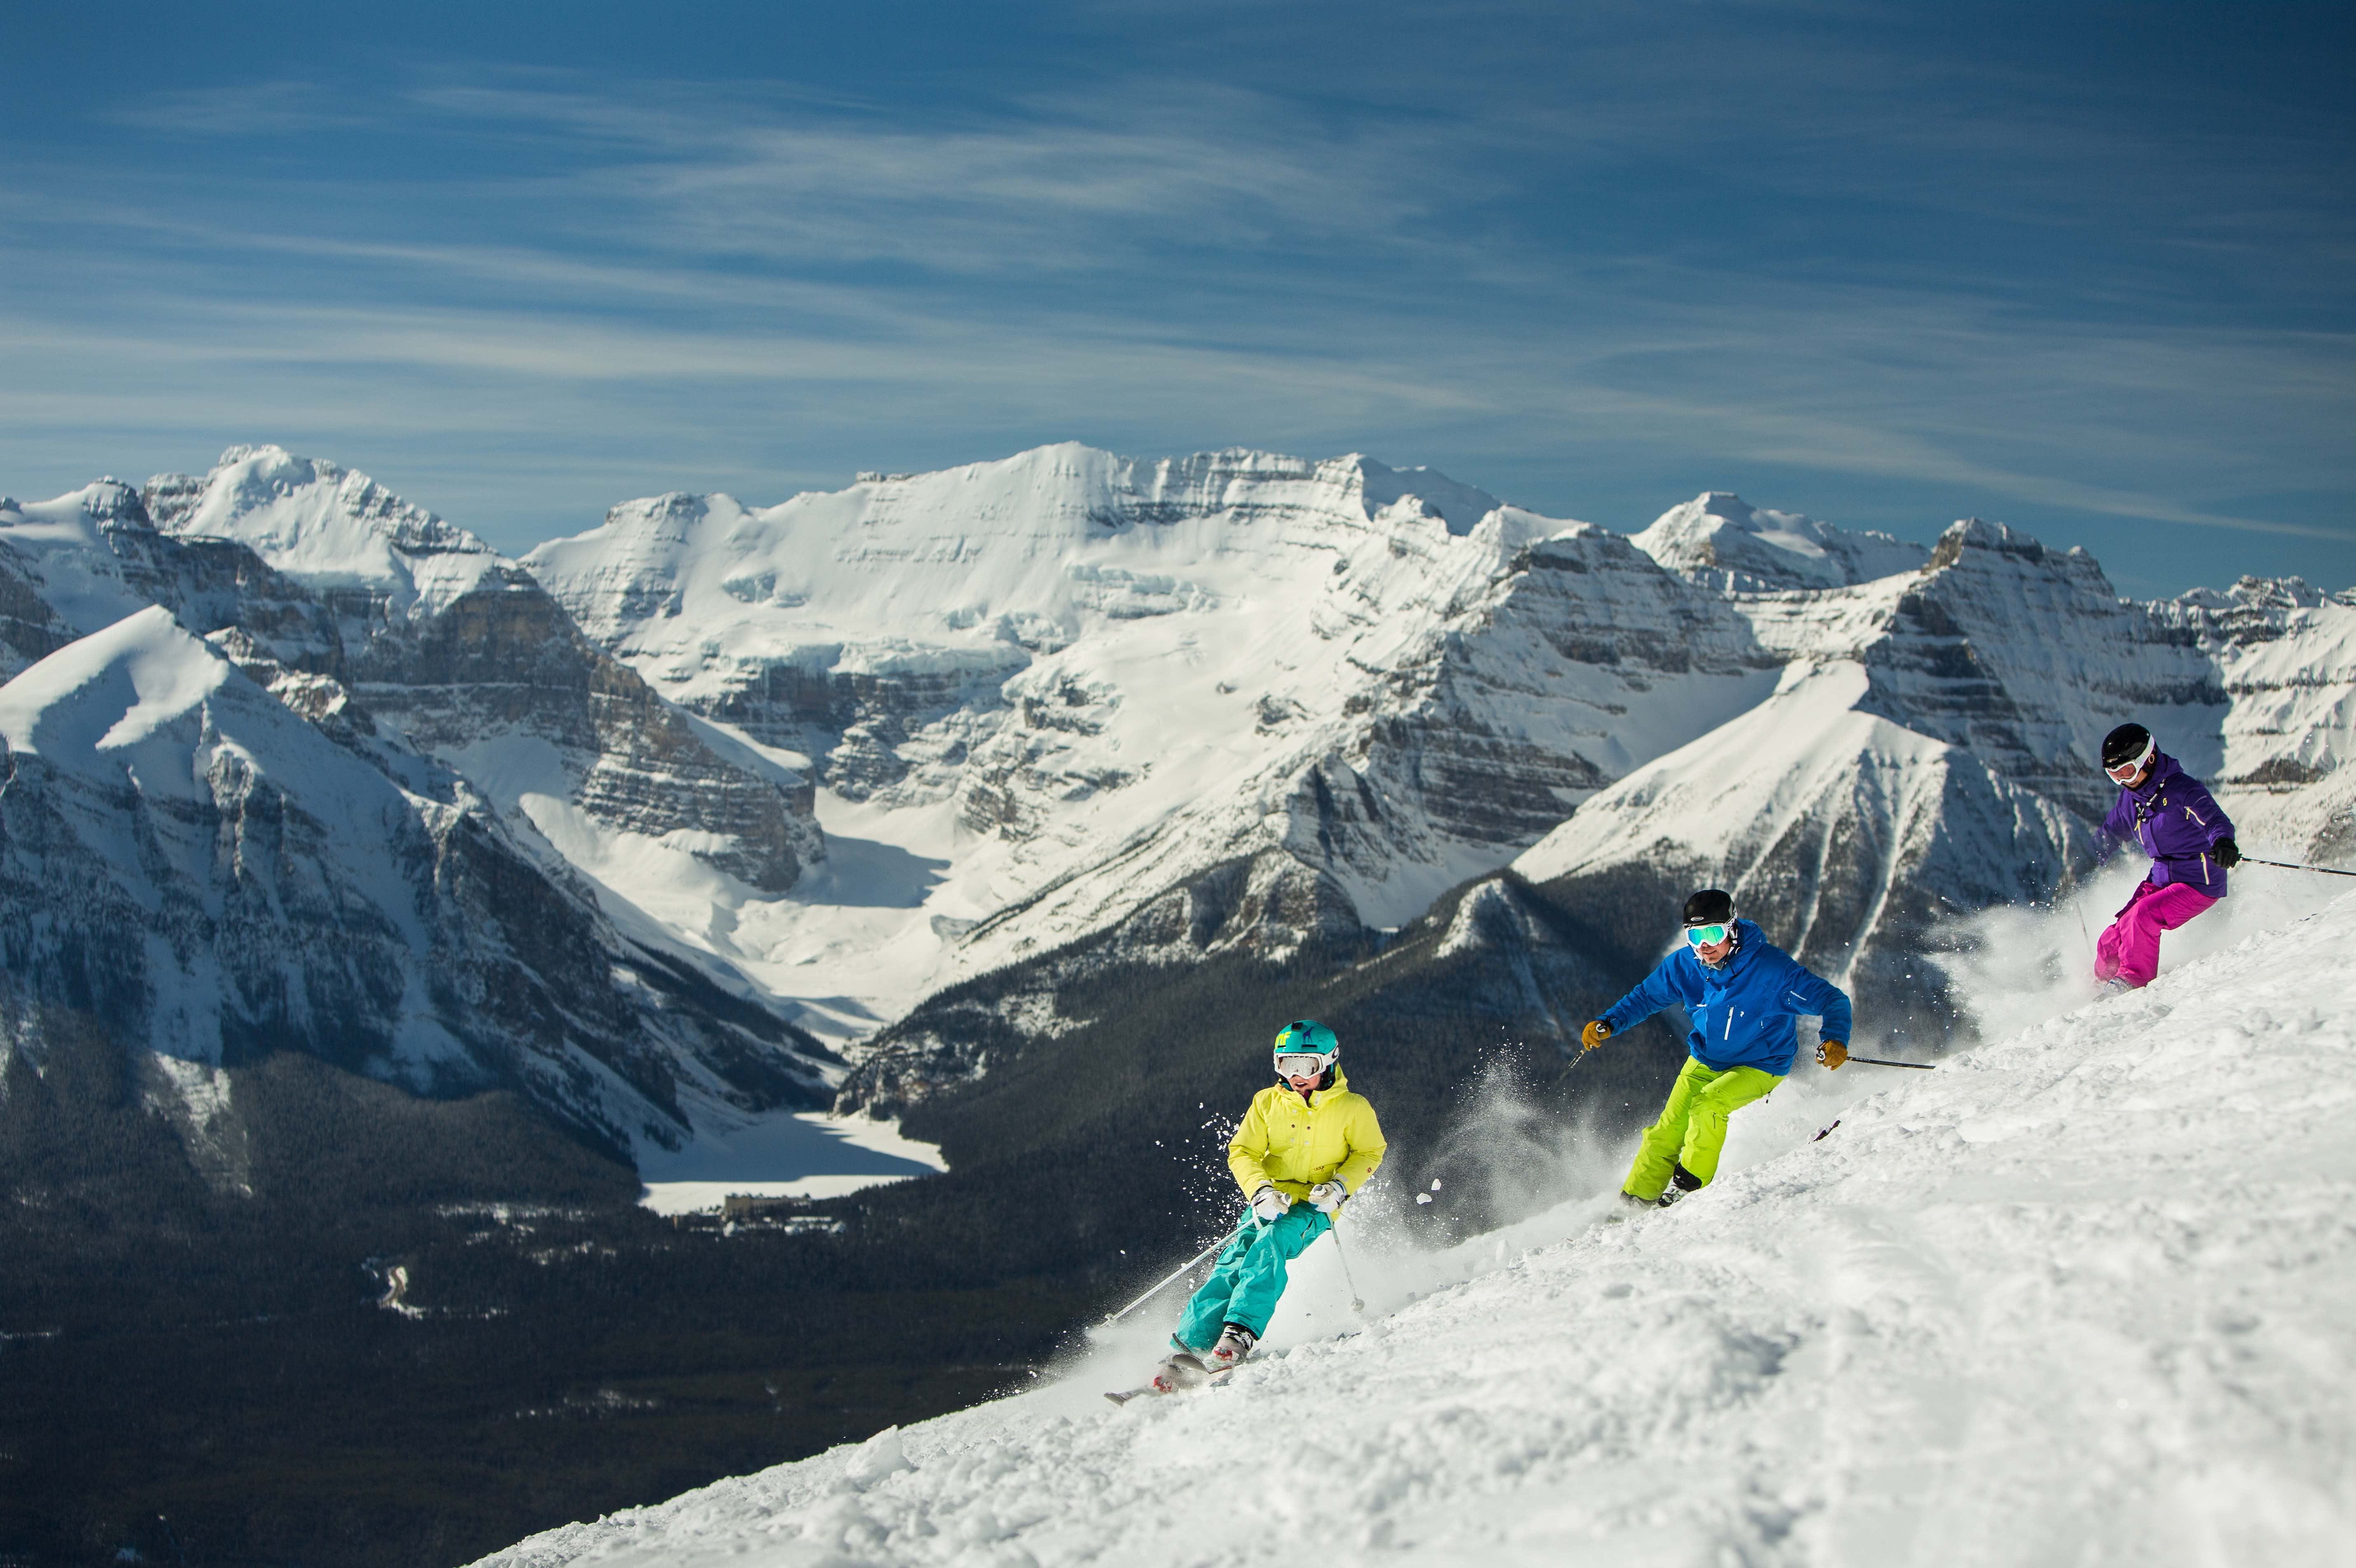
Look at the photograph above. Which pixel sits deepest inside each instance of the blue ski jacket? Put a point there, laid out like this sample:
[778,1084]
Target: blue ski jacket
[1743,1010]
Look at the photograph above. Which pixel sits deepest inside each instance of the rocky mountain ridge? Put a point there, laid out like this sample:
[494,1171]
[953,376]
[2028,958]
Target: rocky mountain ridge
[1081,680]
[1073,709]
[226,833]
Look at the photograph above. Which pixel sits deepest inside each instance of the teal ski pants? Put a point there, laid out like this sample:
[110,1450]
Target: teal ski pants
[1248,1277]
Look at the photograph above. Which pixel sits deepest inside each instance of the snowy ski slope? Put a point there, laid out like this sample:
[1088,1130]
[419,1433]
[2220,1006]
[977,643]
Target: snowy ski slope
[2086,1295]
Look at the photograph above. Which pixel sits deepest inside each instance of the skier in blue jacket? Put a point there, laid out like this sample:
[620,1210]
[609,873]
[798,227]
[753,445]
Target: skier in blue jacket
[1743,994]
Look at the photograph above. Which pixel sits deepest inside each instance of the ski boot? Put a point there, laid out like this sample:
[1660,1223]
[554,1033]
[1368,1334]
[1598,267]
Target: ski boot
[1236,1343]
[1681,1181]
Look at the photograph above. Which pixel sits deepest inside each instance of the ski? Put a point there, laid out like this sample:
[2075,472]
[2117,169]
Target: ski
[1164,1383]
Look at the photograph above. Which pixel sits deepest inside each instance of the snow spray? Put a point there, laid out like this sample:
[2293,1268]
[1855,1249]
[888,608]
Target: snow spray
[2014,965]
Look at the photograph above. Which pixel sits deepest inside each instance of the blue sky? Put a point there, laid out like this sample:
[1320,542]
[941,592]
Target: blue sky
[2088,268]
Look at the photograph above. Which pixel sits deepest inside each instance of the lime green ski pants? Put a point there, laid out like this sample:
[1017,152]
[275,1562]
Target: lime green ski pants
[1692,1128]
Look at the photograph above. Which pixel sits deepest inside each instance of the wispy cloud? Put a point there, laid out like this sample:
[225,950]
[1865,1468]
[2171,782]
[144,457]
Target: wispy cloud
[1048,184]
[1801,243]
[243,109]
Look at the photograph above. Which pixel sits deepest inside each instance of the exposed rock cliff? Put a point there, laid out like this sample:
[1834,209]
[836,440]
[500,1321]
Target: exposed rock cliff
[464,652]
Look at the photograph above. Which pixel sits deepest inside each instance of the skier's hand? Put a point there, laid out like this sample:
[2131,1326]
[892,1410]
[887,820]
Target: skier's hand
[1269,1205]
[1832,1053]
[1328,1196]
[1596,1032]
[2229,854]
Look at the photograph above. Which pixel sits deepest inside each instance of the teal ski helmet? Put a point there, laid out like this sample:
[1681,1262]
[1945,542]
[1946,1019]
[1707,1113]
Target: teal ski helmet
[1307,1037]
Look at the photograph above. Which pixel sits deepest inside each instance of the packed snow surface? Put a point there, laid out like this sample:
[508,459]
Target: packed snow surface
[2085,1294]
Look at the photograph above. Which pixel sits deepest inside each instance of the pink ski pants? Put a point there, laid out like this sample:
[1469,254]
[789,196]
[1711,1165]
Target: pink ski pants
[2130,948]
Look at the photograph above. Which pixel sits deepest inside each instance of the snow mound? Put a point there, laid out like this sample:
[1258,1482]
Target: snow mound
[2086,1295]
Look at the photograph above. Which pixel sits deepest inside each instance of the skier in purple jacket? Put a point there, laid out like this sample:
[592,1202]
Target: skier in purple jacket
[2166,811]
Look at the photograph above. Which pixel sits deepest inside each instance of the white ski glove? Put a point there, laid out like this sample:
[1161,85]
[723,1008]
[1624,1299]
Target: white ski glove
[1269,1205]
[1328,1196]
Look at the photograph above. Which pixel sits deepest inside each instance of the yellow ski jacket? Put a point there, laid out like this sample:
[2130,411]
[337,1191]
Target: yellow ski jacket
[1293,1146]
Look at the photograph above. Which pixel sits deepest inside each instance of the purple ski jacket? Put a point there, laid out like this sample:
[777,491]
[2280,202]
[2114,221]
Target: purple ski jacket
[2176,824]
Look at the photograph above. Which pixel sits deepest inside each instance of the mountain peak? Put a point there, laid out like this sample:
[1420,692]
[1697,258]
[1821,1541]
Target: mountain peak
[1461,506]
[322,525]
[1965,533]
[163,670]
[1722,541]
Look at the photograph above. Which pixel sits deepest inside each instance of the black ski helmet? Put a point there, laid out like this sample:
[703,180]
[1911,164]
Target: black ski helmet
[1710,907]
[2125,744]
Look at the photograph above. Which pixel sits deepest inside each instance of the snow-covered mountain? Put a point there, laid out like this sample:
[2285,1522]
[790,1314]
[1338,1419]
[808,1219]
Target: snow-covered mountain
[278,865]
[210,875]
[1848,837]
[1083,680]
[1722,541]
[463,653]
[1929,754]
[1071,709]
[1927,750]
[2286,655]
[2040,1305]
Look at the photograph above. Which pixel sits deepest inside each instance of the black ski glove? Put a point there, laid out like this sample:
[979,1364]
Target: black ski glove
[2229,854]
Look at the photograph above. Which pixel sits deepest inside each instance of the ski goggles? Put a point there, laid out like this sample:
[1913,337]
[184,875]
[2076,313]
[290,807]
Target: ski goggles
[1709,936]
[2122,771]
[1301,1064]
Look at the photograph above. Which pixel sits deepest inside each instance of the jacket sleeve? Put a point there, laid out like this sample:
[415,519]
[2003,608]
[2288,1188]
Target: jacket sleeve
[1656,991]
[1367,1146]
[2212,817]
[1822,998]
[1248,1148]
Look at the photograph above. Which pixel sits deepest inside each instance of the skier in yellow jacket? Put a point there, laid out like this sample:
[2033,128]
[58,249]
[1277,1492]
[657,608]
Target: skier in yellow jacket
[1305,1145]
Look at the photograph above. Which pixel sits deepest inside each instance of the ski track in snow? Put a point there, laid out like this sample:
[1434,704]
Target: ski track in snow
[2086,1295]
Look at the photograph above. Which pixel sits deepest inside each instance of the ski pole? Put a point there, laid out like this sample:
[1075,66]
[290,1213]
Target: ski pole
[1178,1273]
[2294,866]
[1356,1305]
[1878,1062]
